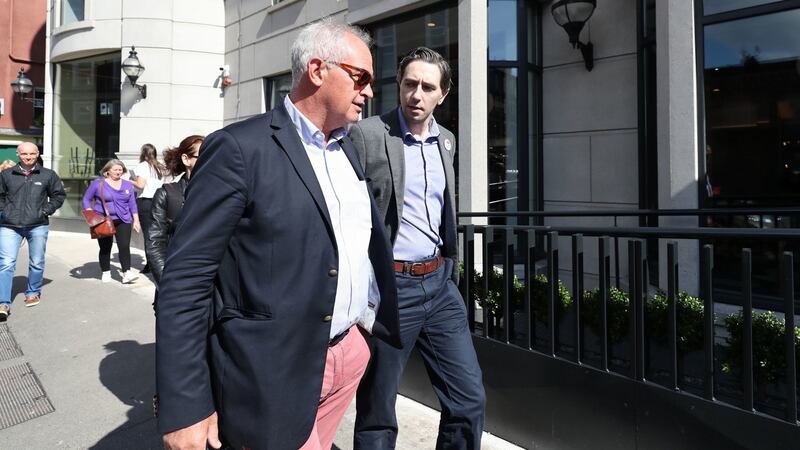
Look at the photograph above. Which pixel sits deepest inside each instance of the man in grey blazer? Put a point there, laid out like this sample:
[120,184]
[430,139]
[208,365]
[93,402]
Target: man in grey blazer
[408,160]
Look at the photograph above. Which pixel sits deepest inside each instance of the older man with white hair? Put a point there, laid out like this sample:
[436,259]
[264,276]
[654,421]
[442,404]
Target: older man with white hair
[279,267]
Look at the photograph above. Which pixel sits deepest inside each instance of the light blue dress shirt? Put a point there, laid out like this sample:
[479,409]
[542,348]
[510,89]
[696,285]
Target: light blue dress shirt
[423,199]
[350,211]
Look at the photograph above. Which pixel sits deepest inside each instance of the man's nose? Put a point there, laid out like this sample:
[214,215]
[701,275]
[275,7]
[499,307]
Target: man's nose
[367,91]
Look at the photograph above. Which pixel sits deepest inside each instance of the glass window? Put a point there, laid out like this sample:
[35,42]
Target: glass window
[72,11]
[751,92]
[85,123]
[276,88]
[718,6]
[503,141]
[38,108]
[436,29]
[752,96]
[502,30]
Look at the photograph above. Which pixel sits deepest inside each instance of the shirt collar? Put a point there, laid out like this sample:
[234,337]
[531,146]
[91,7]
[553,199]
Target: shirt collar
[309,133]
[433,127]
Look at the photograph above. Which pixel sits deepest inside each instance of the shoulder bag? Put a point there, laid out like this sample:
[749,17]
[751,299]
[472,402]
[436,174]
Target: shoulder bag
[100,226]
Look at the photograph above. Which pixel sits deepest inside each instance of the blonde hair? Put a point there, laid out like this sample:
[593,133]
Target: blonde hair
[7,164]
[111,163]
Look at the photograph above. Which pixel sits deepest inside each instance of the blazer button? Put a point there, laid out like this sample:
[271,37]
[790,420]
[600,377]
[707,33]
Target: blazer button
[327,318]
[333,273]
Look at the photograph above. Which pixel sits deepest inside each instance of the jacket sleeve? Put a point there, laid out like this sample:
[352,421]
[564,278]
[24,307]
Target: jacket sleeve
[91,192]
[215,202]
[156,245]
[56,195]
[3,192]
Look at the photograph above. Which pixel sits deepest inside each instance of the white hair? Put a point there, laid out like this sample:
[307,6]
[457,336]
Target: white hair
[324,39]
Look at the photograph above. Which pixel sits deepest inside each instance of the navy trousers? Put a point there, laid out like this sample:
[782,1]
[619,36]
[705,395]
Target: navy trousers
[433,318]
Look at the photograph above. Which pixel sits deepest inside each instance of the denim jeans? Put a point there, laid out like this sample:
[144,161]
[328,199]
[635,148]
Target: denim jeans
[10,241]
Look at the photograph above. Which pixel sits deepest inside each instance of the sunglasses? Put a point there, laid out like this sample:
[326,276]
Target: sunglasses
[360,76]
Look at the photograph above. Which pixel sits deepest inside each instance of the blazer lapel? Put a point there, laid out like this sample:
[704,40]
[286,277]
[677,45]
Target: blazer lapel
[350,151]
[287,138]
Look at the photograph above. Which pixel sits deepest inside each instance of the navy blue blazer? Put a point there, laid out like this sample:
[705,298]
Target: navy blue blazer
[247,292]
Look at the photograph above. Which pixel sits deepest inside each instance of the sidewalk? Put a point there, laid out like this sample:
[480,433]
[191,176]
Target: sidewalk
[91,346]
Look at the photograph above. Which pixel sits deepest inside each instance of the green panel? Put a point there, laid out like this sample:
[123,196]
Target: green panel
[8,152]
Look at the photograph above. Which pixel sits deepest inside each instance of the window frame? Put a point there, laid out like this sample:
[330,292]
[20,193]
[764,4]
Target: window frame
[527,158]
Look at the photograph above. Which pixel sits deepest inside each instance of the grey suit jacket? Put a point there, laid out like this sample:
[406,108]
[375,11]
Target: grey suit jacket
[379,144]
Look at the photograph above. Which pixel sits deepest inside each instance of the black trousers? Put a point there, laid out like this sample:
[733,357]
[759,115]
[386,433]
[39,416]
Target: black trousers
[433,319]
[145,206]
[123,238]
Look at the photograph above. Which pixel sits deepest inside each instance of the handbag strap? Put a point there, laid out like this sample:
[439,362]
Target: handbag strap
[103,196]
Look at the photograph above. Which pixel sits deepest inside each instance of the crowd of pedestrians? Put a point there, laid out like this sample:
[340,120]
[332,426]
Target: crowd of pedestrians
[299,256]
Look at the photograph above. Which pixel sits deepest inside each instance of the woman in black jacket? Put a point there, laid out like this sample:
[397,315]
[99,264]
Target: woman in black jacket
[168,201]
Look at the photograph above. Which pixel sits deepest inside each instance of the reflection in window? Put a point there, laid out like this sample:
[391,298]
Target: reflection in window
[72,11]
[513,108]
[276,88]
[752,92]
[502,30]
[718,6]
[752,126]
[503,147]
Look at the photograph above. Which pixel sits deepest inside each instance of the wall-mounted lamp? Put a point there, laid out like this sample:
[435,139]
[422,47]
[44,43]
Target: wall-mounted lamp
[225,76]
[22,85]
[134,69]
[572,15]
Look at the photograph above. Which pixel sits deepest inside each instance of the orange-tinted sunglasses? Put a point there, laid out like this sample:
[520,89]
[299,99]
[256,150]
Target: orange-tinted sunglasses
[360,76]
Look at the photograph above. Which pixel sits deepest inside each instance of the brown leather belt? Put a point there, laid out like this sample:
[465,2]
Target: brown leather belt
[418,268]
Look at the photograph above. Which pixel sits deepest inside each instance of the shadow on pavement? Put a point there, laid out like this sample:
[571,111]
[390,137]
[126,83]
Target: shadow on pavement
[20,284]
[91,270]
[129,373]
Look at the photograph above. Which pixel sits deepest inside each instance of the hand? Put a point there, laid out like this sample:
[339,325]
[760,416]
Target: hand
[195,437]
[136,226]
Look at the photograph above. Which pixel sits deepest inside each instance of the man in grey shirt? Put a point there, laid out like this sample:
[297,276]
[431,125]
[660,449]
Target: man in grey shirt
[409,159]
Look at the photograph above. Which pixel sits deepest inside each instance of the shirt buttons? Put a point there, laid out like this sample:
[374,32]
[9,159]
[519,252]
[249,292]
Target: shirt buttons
[327,318]
[333,273]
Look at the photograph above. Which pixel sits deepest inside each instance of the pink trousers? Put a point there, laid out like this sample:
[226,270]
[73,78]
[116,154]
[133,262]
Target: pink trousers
[344,367]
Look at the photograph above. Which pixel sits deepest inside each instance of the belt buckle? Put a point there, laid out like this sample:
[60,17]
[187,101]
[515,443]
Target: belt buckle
[412,268]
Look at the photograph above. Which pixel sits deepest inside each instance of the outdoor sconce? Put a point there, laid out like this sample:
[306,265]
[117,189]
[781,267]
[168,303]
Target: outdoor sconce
[572,15]
[22,85]
[133,69]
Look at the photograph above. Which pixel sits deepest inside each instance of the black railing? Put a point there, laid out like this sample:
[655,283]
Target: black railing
[520,304]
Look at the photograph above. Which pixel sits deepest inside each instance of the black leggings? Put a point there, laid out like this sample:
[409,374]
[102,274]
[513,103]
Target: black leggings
[123,238]
[144,205]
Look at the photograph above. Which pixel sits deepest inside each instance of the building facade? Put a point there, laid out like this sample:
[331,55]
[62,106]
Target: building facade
[22,46]
[93,112]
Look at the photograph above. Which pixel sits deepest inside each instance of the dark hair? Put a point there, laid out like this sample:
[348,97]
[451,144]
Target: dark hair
[172,156]
[427,55]
[149,154]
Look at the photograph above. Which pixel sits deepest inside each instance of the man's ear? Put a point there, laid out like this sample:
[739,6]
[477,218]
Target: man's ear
[316,71]
[444,96]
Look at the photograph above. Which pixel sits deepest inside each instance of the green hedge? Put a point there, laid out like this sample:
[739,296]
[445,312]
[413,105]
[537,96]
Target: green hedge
[768,329]
[769,354]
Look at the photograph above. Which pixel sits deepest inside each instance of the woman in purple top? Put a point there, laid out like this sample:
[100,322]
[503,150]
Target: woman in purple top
[120,199]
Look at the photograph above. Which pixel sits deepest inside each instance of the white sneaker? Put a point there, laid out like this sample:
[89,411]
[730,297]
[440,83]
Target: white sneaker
[128,277]
[106,276]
